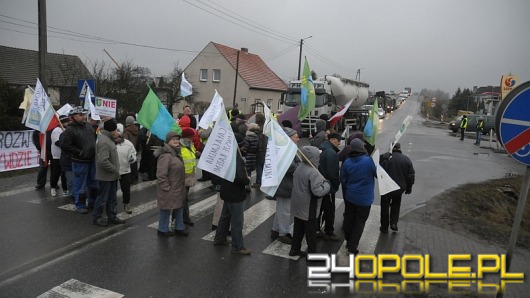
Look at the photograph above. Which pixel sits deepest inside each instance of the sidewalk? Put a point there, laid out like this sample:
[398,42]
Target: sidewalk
[416,236]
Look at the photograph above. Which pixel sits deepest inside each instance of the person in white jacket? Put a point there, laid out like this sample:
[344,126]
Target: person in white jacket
[55,163]
[126,156]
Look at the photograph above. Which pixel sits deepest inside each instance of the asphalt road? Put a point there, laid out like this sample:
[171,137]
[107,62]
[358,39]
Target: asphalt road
[47,249]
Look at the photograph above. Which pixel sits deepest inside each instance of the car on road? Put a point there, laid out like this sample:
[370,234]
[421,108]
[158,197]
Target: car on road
[381,113]
[489,123]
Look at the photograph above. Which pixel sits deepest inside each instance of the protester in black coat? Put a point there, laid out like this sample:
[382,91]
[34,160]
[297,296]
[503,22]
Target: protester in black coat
[400,169]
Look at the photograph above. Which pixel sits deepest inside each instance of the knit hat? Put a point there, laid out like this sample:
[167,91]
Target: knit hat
[289,131]
[357,145]
[171,134]
[335,136]
[187,132]
[64,118]
[110,125]
[397,146]
[129,120]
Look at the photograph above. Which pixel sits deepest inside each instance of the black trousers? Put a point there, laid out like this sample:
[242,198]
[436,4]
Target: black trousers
[327,213]
[42,176]
[390,205]
[186,205]
[307,228]
[56,170]
[125,185]
[355,217]
[462,131]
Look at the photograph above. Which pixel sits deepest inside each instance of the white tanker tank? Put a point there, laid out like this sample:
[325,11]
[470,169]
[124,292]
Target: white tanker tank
[342,90]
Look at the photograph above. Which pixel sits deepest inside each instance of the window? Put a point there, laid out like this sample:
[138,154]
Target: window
[203,75]
[269,103]
[216,75]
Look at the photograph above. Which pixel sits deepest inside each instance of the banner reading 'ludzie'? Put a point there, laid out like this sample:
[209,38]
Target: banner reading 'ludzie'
[17,150]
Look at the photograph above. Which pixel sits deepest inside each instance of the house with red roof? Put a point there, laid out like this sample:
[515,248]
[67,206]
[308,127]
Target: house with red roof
[239,76]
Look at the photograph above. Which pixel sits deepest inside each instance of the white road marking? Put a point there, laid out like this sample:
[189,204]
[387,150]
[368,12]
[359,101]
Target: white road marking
[253,217]
[74,288]
[197,210]
[280,249]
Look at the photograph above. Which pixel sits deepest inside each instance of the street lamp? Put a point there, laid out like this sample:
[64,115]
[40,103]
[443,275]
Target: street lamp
[300,56]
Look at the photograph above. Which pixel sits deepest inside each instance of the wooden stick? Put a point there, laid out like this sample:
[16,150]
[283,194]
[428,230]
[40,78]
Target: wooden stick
[307,159]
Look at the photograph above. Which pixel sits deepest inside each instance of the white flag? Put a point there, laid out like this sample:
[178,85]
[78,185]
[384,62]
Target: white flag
[280,153]
[213,112]
[345,135]
[384,182]
[339,114]
[65,110]
[219,154]
[401,131]
[185,87]
[89,106]
[41,111]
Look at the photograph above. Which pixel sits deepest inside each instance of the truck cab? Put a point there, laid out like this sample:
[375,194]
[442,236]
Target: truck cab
[323,103]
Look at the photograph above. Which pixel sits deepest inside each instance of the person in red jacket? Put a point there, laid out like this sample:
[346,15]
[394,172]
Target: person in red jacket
[184,122]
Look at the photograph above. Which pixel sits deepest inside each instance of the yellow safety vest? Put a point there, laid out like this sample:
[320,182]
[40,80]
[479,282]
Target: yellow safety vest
[189,158]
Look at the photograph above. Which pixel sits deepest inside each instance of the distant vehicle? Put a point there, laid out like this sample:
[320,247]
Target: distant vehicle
[489,123]
[409,90]
[381,113]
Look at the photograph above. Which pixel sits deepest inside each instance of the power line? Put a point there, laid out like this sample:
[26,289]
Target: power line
[230,21]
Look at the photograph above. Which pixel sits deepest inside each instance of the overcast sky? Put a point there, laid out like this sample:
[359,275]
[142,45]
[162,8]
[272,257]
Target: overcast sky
[433,44]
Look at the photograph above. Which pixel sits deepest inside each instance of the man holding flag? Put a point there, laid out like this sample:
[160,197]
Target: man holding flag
[42,117]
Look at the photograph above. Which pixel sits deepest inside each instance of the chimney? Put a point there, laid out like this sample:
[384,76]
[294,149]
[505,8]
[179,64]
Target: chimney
[244,50]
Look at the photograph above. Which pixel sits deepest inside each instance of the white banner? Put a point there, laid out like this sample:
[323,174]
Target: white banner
[384,182]
[26,103]
[219,154]
[212,113]
[17,150]
[280,153]
[106,107]
[185,87]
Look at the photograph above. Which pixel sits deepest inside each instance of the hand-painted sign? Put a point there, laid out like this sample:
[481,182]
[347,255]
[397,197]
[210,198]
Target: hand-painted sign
[513,123]
[17,150]
[106,107]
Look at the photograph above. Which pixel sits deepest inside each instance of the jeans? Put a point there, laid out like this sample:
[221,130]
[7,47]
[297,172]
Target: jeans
[355,217]
[478,137]
[309,229]
[84,177]
[42,176]
[125,186]
[283,220]
[390,202]
[163,220]
[231,216]
[69,175]
[259,171]
[106,198]
[327,213]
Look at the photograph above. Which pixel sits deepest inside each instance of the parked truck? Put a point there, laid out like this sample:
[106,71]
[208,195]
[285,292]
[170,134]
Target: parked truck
[332,94]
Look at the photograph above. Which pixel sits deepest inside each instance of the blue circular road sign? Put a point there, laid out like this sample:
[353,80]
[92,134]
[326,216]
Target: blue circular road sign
[513,123]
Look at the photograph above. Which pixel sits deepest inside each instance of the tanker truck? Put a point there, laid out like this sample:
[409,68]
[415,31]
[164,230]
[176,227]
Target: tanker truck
[332,94]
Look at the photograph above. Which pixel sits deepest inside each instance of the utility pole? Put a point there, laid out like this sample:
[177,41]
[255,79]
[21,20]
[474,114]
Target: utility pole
[43,45]
[300,56]
[235,84]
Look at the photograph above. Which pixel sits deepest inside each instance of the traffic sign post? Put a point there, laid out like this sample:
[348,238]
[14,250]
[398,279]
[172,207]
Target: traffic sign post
[513,131]
[82,87]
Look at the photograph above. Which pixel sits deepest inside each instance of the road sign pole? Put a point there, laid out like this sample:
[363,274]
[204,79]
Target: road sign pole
[518,217]
[517,221]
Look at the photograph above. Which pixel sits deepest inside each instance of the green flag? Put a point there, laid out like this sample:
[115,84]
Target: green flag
[155,117]
[307,93]
[370,129]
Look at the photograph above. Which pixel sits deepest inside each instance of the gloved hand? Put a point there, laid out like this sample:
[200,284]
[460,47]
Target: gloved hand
[408,190]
